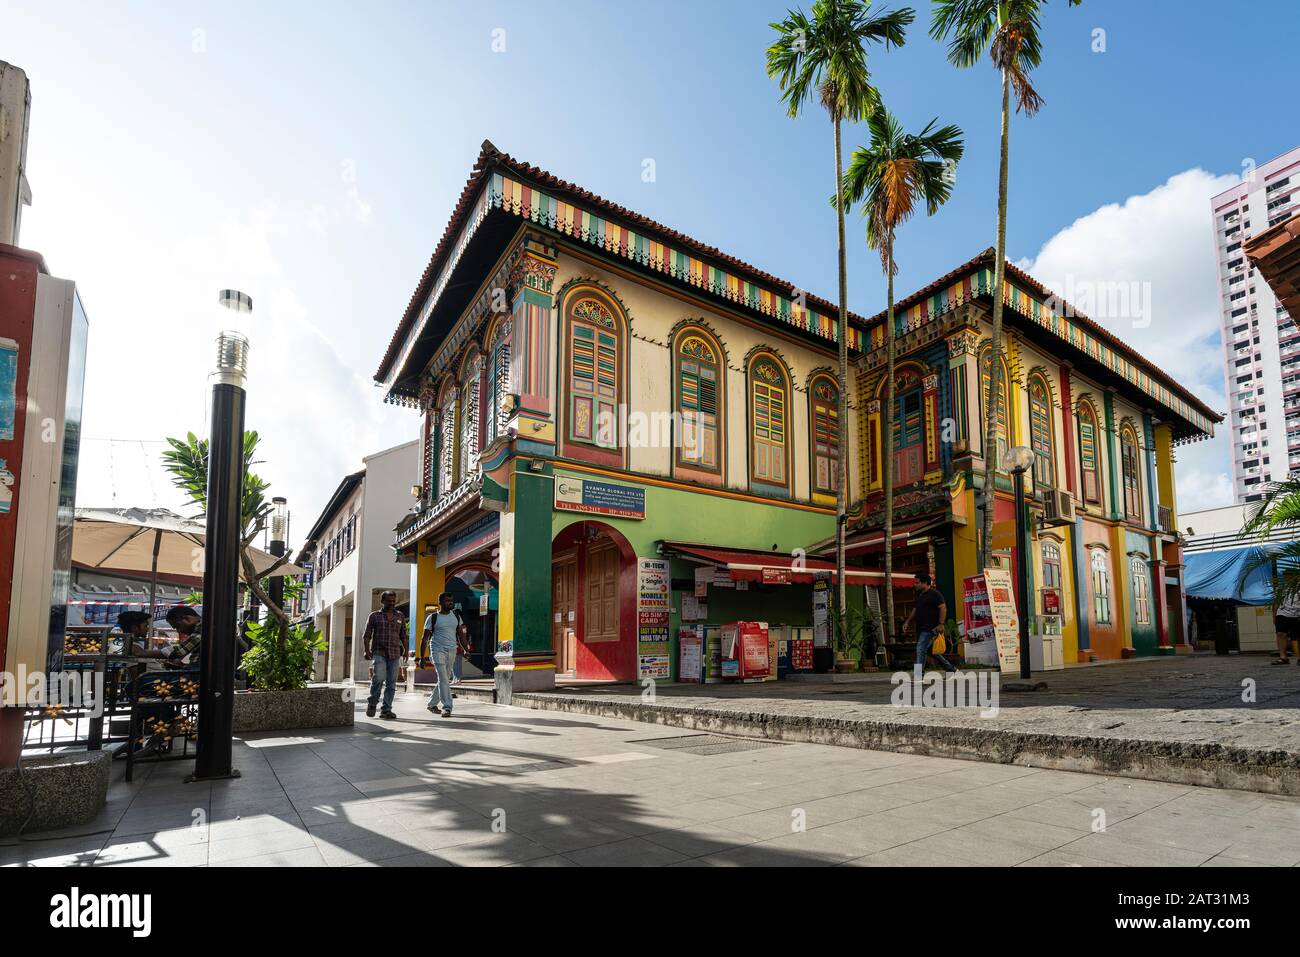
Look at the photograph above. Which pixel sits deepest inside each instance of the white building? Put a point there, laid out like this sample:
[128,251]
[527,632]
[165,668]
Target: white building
[350,551]
[1260,341]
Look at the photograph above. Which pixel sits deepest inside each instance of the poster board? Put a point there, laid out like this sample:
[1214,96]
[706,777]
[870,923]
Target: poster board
[654,658]
[1005,621]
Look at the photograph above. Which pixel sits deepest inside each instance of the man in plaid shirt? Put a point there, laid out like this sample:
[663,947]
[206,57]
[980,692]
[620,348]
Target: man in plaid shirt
[385,641]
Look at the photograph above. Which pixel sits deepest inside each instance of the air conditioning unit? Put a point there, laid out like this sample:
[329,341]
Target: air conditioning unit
[1058,507]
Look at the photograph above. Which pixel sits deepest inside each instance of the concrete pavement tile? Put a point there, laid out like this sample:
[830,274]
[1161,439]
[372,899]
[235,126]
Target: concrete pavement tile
[61,852]
[762,825]
[1133,853]
[1064,858]
[632,852]
[222,850]
[555,860]
[700,840]
[494,851]
[573,837]
[296,857]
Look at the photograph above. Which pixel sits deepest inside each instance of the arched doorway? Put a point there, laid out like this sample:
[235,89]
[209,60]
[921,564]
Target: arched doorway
[593,603]
[469,585]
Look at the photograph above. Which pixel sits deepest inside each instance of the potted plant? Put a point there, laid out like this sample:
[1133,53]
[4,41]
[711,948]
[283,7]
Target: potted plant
[280,666]
[952,635]
[850,639]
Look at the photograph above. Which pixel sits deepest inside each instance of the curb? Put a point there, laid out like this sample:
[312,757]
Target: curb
[1204,765]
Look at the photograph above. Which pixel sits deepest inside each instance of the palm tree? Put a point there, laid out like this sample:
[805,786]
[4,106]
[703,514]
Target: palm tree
[1278,510]
[1008,29]
[825,58]
[889,178]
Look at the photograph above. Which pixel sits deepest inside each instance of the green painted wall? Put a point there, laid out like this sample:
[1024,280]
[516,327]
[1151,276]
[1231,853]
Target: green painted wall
[686,516]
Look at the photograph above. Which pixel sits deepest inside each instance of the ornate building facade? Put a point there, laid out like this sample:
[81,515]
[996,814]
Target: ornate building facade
[599,397]
[1105,567]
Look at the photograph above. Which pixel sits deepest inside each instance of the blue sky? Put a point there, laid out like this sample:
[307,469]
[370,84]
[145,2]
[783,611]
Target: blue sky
[311,153]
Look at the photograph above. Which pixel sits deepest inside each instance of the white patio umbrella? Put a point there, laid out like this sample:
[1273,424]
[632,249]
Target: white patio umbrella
[158,543]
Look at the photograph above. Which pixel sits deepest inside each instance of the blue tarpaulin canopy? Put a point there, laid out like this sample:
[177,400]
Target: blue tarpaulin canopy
[1218,575]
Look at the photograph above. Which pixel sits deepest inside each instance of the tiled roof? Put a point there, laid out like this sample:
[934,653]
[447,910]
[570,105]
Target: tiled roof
[1015,274]
[491,158]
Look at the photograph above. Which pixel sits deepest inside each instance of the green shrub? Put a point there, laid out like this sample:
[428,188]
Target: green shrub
[276,664]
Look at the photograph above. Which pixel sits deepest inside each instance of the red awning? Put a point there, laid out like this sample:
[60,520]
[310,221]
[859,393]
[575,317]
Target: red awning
[773,567]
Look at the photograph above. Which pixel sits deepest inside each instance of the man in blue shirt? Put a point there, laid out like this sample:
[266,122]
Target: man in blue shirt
[443,631]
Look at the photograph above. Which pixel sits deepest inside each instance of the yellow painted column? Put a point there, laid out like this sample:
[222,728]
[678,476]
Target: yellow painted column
[430,582]
[1119,585]
[1069,617]
[1165,486]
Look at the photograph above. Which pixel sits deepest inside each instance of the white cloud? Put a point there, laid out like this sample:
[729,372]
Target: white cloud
[1145,270]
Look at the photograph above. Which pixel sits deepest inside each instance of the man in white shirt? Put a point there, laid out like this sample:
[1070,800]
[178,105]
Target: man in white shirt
[443,631]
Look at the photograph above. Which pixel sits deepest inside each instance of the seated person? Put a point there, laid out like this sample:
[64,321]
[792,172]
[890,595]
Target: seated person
[186,621]
[134,626]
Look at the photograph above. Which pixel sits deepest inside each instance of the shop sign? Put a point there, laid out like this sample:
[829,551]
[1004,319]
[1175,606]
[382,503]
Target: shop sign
[691,648]
[653,613]
[1006,623]
[821,613]
[777,576]
[1051,601]
[469,539]
[599,498]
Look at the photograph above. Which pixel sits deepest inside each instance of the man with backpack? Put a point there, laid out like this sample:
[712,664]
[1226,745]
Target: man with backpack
[444,632]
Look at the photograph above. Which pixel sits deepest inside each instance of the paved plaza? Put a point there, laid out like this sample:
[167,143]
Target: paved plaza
[501,785]
[1229,721]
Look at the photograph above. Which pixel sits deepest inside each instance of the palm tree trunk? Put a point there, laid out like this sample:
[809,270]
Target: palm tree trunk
[887,461]
[993,402]
[841,493]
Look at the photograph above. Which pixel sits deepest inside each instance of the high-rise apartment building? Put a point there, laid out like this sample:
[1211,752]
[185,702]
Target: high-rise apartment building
[1261,343]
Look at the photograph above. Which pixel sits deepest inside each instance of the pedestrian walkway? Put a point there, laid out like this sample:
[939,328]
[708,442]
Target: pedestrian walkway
[1226,721]
[511,786]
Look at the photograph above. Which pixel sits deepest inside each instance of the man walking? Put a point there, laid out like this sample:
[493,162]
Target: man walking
[929,615]
[444,630]
[385,646]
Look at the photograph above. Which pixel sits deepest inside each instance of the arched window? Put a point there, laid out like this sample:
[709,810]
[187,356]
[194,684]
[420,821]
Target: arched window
[699,399]
[1051,565]
[769,410]
[470,371]
[1089,452]
[1003,425]
[1128,456]
[447,431]
[1141,591]
[594,373]
[824,401]
[498,371]
[1100,586]
[1040,432]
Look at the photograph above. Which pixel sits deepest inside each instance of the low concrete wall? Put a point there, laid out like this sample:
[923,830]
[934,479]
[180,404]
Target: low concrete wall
[319,706]
[943,733]
[66,790]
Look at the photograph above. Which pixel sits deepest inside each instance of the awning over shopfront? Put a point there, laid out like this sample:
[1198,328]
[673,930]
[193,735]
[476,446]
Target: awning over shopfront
[1219,576]
[773,567]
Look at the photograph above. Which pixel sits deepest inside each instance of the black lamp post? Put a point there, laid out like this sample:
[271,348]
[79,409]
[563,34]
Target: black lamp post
[1020,460]
[212,755]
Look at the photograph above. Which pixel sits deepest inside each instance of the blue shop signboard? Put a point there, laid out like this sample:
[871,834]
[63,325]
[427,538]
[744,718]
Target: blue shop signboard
[599,498]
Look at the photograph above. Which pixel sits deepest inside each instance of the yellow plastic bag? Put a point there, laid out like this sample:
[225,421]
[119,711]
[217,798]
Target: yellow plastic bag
[940,644]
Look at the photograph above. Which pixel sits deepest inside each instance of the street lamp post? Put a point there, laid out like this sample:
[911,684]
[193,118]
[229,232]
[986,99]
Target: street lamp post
[1020,459]
[212,755]
[279,536]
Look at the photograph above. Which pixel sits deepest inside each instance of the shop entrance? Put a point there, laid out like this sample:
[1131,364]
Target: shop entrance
[593,603]
[564,612]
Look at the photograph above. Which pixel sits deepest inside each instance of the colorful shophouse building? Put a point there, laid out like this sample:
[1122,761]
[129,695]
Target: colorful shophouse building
[608,406]
[1105,568]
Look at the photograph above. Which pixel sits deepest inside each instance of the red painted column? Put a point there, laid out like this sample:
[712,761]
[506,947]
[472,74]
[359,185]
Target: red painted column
[1067,431]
